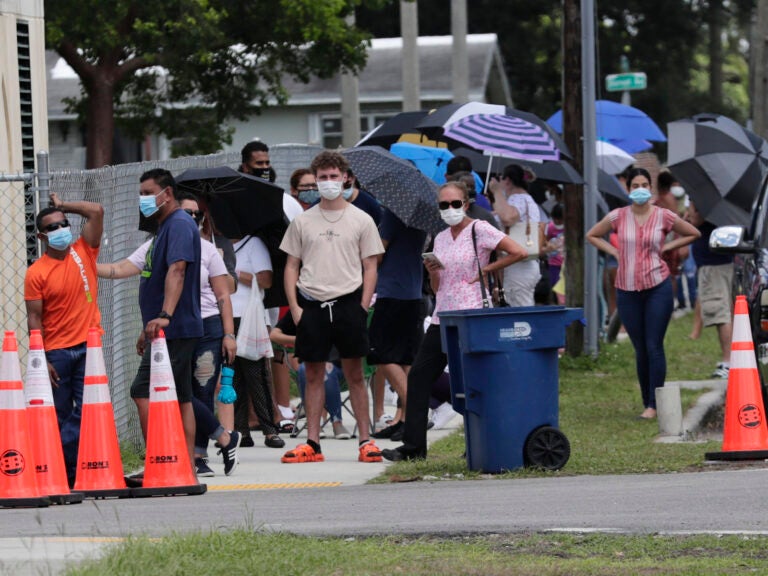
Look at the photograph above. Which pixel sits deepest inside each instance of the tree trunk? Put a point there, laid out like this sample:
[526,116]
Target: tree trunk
[574,195]
[716,52]
[100,121]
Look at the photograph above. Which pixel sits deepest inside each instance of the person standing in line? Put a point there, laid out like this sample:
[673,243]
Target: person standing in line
[396,326]
[169,296]
[461,253]
[218,341]
[60,293]
[330,277]
[643,286]
[512,203]
[715,289]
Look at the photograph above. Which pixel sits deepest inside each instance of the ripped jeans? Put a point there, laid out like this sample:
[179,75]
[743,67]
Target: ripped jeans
[206,372]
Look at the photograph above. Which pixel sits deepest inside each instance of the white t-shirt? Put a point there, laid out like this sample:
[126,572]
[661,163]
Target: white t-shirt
[252,258]
[331,245]
[211,266]
[525,204]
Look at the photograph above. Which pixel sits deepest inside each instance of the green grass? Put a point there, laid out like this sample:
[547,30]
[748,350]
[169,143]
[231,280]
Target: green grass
[239,552]
[599,403]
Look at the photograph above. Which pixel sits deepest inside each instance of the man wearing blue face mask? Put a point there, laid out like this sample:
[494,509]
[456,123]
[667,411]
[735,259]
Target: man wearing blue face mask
[60,292]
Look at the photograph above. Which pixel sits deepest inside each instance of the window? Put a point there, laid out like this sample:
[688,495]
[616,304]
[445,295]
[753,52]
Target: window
[330,126]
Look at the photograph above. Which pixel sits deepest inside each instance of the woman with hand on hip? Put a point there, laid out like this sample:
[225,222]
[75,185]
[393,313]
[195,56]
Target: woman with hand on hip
[454,276]
[643,285]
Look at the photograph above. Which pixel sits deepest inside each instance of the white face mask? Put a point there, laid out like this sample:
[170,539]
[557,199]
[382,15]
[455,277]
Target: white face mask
[452,216]
[677,191]
[330,189]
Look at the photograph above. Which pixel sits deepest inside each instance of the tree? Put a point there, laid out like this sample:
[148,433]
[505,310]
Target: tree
[183,68]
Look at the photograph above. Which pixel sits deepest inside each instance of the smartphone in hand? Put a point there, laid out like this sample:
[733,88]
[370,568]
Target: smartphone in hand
[431,257]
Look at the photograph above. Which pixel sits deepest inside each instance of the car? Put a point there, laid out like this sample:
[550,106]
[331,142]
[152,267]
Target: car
[749,246]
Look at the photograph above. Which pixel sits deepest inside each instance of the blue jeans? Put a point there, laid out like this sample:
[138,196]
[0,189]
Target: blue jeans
[645,314]
[207,364]
[68,399]
[332,390]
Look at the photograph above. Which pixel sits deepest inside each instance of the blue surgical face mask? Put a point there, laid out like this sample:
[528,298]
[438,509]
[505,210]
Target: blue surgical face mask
[148,205]
[309,196]
[60,239]
[640,195]
[347,193]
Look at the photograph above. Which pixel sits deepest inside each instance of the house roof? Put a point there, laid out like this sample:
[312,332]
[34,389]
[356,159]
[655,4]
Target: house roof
[380,81]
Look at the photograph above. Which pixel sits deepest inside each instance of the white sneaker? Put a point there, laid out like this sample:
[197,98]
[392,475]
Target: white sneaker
[383,422]
[721,371]
[442,415]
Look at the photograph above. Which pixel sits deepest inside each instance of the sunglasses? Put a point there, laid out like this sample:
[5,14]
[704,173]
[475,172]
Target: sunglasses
[444,205]
[56,225]
[196,214]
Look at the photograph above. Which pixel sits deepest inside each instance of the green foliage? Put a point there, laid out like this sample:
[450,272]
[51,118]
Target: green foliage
[224,57]
[530,32]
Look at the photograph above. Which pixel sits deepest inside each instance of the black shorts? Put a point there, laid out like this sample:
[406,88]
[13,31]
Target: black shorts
[341,322]
[396,331]
[182,354]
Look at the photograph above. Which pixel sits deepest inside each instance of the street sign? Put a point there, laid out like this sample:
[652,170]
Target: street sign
[626,81]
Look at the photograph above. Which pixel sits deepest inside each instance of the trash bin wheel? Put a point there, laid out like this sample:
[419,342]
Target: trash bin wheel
[547,448]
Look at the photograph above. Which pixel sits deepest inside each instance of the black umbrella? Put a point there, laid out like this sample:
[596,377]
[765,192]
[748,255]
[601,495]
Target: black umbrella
[397,185]
[721,164]
[239,204]
[435,123]
[611,189]
[392,129]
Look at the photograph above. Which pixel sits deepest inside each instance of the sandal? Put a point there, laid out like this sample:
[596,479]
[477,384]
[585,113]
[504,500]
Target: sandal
[302,453]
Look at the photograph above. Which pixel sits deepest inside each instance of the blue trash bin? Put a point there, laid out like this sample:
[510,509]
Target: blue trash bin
[504,379]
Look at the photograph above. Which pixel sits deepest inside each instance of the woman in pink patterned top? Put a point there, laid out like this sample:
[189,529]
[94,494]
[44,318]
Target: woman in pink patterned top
[643,287]
[453,275]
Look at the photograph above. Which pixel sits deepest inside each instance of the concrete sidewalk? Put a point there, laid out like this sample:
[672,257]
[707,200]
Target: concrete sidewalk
[260,466]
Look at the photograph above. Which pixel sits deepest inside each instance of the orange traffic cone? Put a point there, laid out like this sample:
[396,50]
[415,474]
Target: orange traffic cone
[745,433]
[167,469]
[45,439]
[99,465]
[18,485]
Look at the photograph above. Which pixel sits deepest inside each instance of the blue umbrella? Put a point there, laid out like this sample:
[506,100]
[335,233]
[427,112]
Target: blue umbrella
[429,160]
[618,122]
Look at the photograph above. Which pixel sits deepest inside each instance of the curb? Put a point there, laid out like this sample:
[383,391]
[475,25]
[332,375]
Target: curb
[695,416]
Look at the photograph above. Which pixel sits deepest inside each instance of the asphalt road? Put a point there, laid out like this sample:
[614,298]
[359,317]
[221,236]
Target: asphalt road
[716,501]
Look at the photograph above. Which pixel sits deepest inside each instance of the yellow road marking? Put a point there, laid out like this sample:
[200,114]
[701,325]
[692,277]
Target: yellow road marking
[275,486]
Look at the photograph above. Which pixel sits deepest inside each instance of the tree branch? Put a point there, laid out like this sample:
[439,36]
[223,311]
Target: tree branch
[69,52]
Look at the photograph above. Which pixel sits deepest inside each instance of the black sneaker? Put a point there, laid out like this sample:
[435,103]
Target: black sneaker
[247,442]
[397,435]
[229,454]
[202,469]
[388,431]
[274,441]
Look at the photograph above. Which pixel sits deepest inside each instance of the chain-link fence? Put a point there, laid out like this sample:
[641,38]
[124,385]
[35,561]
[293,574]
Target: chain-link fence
[117,189]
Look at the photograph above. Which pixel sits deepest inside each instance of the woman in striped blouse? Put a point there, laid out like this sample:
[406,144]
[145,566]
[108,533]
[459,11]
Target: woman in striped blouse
[643,286]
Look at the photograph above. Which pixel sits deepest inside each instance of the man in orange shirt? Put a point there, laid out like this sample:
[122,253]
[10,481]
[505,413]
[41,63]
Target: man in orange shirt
[60,291]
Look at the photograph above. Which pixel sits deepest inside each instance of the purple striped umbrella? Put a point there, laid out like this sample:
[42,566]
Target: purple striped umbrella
[501,135]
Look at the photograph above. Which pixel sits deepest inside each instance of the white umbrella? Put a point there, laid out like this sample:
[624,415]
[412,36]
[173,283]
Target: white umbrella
[611,158]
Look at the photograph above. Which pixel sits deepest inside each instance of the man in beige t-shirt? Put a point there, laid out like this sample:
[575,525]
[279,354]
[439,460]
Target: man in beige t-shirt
[330,276]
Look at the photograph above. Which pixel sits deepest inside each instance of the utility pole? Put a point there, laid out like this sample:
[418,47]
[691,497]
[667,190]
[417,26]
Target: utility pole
[574,195]
[350,103]
[460,69]
[409,30]
[589,82]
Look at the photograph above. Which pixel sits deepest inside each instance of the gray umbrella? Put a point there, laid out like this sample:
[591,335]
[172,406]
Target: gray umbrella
[721,164]
[397,185]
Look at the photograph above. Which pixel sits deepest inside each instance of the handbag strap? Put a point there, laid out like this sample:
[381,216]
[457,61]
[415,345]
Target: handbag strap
[483,292]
